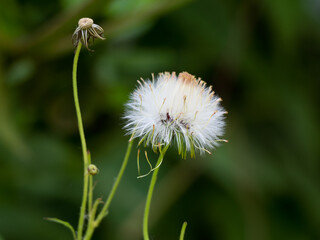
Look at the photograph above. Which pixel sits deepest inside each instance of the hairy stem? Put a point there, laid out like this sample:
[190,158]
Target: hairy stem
[83,142]
[150,192]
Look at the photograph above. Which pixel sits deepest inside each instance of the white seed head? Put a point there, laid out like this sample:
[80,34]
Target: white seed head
[175,108]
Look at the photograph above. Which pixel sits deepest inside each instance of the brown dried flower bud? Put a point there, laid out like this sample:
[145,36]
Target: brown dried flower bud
[85,23]
[85,31]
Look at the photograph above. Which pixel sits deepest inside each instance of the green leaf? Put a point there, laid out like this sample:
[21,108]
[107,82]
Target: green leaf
[64,223]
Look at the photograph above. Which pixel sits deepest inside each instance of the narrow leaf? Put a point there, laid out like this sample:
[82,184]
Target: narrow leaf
[64,223]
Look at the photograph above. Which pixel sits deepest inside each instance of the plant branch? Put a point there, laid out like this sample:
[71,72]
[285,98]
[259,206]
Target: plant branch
[83,142]
[150,192]
[183,230]
[105,208]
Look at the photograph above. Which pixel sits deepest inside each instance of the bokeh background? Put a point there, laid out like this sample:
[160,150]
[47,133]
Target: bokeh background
[262,57]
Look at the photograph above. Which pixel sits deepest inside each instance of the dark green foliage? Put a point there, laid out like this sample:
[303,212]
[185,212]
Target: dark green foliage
[262,58]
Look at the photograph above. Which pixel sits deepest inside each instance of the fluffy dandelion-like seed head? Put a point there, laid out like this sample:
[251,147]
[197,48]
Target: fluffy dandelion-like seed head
[175,108]
[85,31]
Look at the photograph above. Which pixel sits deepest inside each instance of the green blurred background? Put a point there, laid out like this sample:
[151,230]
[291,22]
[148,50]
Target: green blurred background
[262,57]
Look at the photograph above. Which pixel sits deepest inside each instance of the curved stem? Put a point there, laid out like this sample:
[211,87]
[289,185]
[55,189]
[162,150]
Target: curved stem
[150,192]
[95,223]
[83,141]
[183,230]
[104,210]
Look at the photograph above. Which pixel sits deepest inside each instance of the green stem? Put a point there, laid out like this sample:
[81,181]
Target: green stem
[90,194]
[83,142]
[183,230]
[91,224]
[150,192]
[90,188]
[95,223]
[104,210]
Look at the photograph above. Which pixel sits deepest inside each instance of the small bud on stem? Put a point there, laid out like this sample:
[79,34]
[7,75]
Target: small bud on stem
[93,170]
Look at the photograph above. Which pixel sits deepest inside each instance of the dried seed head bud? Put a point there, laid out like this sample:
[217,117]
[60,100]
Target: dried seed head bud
[93,170]
[85,23]
[85,31]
